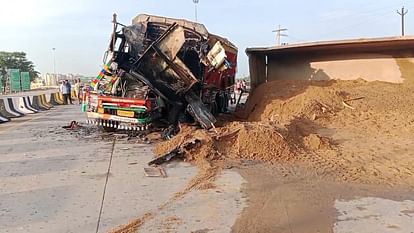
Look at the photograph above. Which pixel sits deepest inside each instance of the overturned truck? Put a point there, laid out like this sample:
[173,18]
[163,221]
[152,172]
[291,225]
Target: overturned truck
[160,71]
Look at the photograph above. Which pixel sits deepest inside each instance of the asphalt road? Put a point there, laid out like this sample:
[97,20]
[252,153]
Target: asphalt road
[52,180]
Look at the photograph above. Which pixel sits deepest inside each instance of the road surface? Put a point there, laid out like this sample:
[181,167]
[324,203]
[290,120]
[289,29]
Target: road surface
[52,180]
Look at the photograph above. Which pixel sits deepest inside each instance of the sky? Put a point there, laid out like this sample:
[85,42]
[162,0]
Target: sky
[80,29]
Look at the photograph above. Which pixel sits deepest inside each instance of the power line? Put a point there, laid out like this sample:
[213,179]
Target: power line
[362,21]
[279,33]
[402,13]
[362,16]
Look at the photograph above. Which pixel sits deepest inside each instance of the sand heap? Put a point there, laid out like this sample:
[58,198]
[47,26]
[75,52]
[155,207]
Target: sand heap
[284,100]
[332,124]
[234,140]
[274,130]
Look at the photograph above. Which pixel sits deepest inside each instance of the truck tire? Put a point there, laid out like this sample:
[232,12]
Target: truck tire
[108,129]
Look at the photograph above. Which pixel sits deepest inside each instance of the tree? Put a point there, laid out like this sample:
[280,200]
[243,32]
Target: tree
[17,60]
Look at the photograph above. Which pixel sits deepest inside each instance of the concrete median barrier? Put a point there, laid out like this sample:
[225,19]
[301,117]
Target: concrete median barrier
[54,100]
[60,97]
[18,106]
[73,95]
[3,119]
[4,111]
[49,99]
[30,99]
[12,108]
[28,103]
[37,103]
[20,103]
[44,101]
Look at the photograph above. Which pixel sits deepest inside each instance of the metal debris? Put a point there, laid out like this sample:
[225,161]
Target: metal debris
[156,171]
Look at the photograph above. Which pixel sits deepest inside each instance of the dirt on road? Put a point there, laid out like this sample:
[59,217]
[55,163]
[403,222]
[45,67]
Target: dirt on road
[349,132]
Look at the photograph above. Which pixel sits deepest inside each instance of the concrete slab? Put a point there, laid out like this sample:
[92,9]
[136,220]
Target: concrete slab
[51,180]
[372,215]
[212,210]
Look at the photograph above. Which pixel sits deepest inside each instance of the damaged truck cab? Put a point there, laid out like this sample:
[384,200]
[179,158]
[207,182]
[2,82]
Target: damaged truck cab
[159,71]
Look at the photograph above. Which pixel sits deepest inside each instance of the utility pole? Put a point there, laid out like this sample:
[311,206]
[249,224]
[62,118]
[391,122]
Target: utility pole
[279,34]
[402,13]
[195,8]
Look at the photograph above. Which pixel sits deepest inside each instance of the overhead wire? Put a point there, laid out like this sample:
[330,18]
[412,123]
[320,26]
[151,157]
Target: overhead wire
[363,19]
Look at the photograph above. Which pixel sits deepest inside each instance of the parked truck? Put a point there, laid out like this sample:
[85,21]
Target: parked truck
[159,71]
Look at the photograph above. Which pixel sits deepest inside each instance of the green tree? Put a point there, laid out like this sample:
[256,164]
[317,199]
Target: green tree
[17,60]
[3,77]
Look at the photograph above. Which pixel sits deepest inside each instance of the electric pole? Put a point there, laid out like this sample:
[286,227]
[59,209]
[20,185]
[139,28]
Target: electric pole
[402,13]
[195,9]
[279,34]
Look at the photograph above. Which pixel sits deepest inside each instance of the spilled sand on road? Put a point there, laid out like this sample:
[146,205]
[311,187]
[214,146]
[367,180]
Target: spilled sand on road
[345,130]
[348,131]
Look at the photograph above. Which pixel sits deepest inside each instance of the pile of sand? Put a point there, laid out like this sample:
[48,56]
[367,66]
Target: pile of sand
[234,140]
[358,130]
[329,125]
[282,101]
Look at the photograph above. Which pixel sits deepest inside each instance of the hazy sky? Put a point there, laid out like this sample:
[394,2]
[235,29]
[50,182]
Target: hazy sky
[80,29]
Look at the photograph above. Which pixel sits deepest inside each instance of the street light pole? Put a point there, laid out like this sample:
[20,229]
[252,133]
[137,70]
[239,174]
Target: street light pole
[195,8]
[54,63]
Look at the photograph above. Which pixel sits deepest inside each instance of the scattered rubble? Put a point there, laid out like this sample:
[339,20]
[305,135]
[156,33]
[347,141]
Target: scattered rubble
[156,171]
[73,125]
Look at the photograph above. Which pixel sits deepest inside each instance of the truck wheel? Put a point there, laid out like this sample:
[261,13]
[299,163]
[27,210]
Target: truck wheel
[222,103]
[213,108]
[108,129]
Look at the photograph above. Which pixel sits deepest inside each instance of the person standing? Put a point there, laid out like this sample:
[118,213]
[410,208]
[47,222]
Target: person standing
[243,85]
[238,92]
[69,87]
[77,89]
[64,91]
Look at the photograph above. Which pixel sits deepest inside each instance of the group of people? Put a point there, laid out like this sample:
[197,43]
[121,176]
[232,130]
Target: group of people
[66,90]
[240,87]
